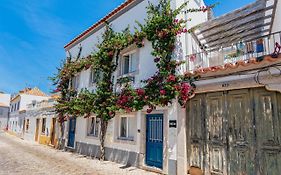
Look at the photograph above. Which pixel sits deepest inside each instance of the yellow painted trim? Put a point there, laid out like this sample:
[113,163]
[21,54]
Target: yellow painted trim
[12,133]
[45,140]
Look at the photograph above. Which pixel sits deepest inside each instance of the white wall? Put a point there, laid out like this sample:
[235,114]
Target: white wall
[277,19]
[147,66]
[5,99]
[4,113]
[111,137]
[146,69]
[30,133]
[27,99]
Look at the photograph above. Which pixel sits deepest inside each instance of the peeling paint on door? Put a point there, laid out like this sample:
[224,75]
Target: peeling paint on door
[235,132]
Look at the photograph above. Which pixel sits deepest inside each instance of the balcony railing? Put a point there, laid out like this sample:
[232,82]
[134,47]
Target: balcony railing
[243,50]
[41,104]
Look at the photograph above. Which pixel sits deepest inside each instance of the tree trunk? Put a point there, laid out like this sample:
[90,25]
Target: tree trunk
[103,130]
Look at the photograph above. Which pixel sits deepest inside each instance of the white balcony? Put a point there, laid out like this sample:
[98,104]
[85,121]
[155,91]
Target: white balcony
[241,35]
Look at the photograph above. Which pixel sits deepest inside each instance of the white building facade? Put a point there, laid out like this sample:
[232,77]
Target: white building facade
[41,122]
[4,110]
[220,130]
[127,133]
[18,107]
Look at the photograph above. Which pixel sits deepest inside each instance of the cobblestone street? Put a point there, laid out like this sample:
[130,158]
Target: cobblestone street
[20,157]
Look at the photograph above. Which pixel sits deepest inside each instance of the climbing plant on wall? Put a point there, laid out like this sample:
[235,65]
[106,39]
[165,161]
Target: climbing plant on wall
[160,28]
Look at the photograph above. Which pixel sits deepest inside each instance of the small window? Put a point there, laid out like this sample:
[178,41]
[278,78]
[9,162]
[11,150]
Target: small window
[18,105]
[95,76]
[75,82]
[93,126]
[1,111]
[27,125]
[43,125]
[127,128]
[129,63]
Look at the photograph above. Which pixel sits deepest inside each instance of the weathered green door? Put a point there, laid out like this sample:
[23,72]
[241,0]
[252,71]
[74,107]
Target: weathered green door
[268,131]
[235,132]
[241,152]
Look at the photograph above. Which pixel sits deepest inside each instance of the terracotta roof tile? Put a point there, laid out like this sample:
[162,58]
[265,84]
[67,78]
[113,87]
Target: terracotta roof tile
[240,65]
[35,91]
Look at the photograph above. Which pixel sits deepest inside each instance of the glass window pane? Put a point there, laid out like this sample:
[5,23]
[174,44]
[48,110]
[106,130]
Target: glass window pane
[134,62]
[97,127]
[126,64]
[92,126]
[123,127]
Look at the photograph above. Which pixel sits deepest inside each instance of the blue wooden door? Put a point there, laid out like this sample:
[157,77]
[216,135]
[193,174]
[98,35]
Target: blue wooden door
[154,140]
[71,132]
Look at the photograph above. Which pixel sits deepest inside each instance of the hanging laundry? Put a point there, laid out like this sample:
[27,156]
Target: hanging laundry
[250,48]
[259,45]
[192,57]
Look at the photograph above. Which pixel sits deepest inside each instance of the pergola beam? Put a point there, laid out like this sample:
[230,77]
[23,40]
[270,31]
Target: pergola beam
[238,33]
[240,13]
[250,37]
[232,27]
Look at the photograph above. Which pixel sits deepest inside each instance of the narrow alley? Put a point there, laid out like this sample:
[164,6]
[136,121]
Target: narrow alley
[19,157]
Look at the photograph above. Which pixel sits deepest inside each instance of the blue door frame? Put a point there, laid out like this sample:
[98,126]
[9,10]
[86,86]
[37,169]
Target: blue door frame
[154,140]
[71,132]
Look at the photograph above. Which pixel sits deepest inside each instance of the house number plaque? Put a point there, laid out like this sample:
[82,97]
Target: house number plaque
[172,123]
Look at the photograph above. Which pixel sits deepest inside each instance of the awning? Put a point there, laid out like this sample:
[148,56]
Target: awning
[244,24]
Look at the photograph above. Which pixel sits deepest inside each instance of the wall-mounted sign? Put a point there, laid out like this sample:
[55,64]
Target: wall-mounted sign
[172,123]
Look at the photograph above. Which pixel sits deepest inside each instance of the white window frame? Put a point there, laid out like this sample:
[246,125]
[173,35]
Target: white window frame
[96,128]
[127,137]
[93,80]
[122,62]
[18,106]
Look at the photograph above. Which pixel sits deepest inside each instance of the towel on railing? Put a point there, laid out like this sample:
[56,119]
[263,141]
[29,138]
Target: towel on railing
[250,48]
[259,47]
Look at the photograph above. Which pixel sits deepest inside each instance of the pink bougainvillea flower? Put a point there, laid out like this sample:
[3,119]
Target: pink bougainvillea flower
[140,92]
[171,78]
[162,92]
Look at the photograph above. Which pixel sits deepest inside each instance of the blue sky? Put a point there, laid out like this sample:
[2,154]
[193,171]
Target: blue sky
[33,33]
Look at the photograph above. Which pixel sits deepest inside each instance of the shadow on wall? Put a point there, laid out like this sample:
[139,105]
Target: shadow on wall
[127,158]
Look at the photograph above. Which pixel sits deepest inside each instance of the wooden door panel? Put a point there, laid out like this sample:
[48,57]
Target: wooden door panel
[196,155]
[215,109]
[268,132]
[268,126]
[195,122]
[216,137]
[217,164]
[241,161]
[270,162]
[240,132]
[236,132]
